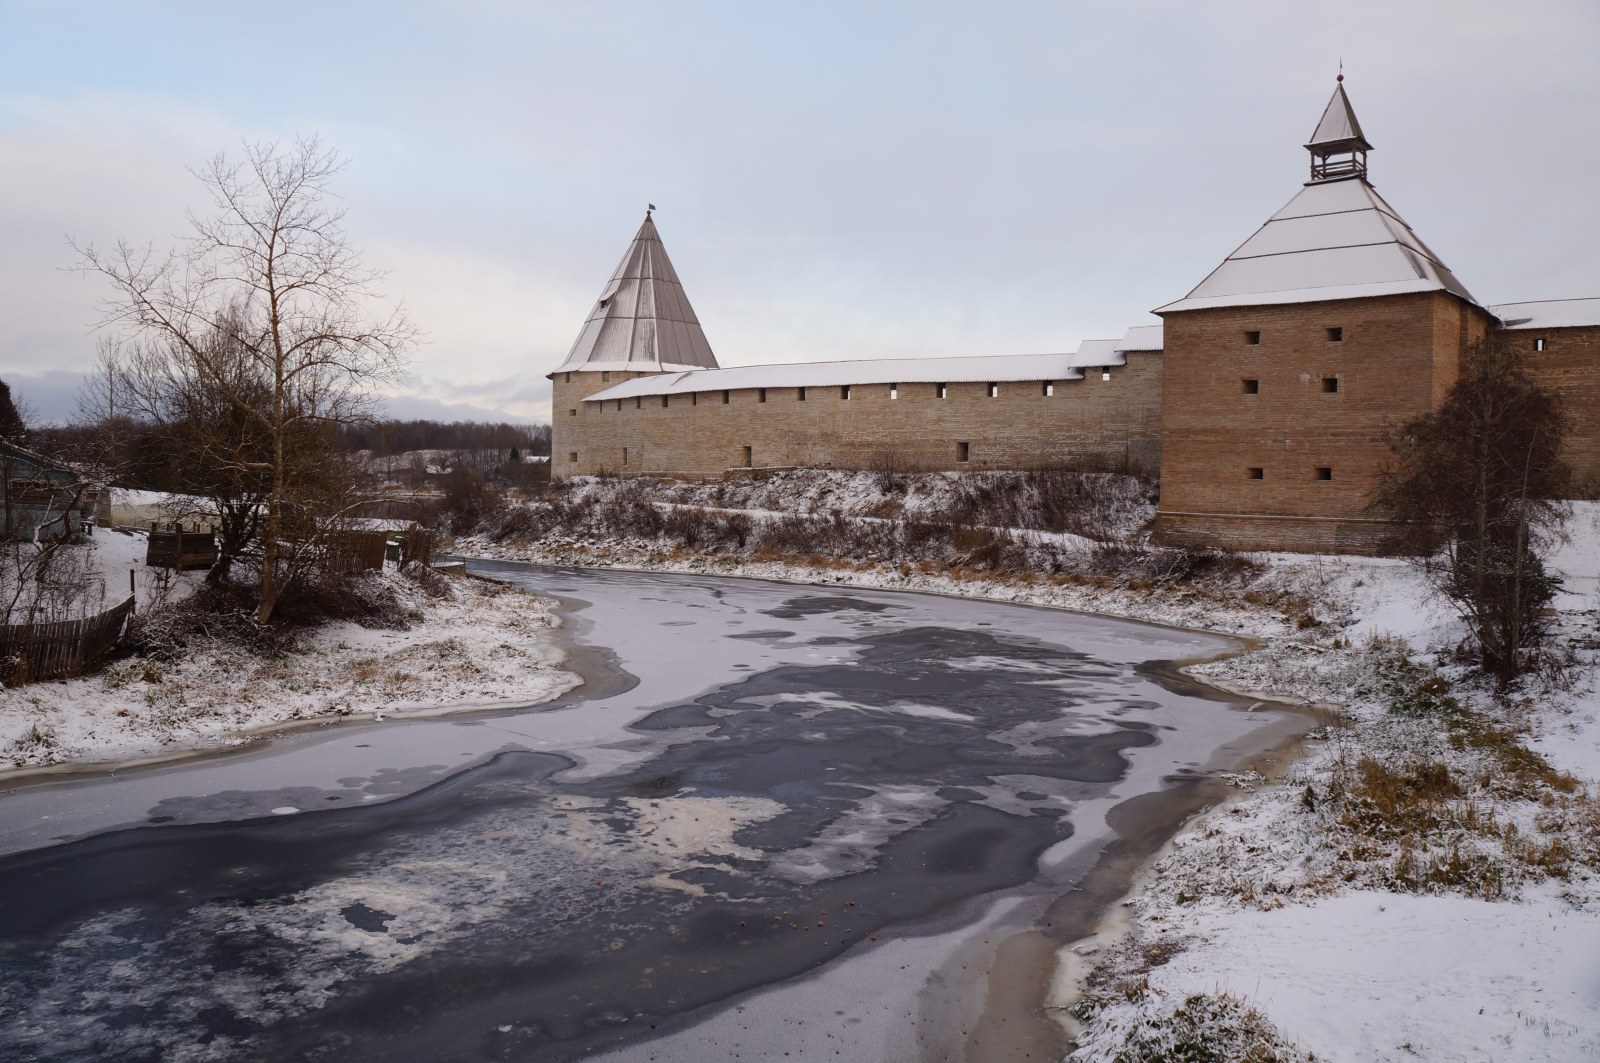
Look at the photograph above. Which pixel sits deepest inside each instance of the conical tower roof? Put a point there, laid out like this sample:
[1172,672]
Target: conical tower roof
[642,322]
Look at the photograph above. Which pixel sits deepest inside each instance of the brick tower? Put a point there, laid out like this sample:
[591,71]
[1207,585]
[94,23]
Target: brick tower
[1286,367]
[642,323]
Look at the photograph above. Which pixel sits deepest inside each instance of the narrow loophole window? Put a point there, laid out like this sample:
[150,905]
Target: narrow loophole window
[1049,388]
[894,391]
[749,457]
[963,451]
[724,398]
[624,456]
[1250,386]
[619,405]
[1253,337]
[694,398]
[800,394]
[844,392]
[1539,344]
[761,394]
[1324,472]
[664,399]
[1330,384]
[994,389]
[941,390]
[1336,335]
[1256,472]
[638,402]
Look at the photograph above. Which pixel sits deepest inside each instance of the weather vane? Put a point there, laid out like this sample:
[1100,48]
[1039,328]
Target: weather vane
[648,208]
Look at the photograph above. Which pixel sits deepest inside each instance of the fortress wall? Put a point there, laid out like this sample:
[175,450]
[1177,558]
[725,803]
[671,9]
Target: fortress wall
[1113,421]
[1570,365]
[1244,468]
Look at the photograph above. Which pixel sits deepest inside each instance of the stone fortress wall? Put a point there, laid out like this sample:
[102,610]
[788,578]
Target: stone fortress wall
[1110,419]
[1264,400]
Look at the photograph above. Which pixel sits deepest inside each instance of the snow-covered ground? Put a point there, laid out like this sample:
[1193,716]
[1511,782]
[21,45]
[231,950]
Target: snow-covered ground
[476,645]
[1298,917]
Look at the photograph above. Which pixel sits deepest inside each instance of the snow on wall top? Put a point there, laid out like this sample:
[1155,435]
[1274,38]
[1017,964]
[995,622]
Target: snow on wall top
[643,320]
[1142,338]
[997,368]
[1092,353]
[1549,313]
[1333,240]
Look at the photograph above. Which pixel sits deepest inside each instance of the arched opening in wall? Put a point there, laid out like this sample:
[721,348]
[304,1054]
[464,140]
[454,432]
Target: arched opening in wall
[1105,373]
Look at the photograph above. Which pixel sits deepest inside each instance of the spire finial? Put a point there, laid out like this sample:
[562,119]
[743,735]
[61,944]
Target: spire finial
[1340,78]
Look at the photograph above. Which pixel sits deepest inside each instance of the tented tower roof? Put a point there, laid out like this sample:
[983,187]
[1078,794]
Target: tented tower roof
[642,322]
[1338,127]
[1336,239]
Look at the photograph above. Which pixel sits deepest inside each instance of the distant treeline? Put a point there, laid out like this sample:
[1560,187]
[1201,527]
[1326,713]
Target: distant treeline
[385,438]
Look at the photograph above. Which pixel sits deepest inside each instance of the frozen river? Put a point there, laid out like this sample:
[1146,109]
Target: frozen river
[835,823]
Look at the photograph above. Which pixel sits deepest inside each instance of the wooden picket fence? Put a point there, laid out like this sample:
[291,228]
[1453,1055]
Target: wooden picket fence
[31,652]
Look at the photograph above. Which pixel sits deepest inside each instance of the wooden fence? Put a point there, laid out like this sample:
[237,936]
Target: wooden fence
[180,549]
[30,652]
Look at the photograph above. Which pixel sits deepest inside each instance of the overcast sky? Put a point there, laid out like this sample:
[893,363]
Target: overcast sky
[834,180]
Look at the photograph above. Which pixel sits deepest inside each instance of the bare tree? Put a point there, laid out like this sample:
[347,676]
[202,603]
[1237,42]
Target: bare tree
[268,304]
[1477,482]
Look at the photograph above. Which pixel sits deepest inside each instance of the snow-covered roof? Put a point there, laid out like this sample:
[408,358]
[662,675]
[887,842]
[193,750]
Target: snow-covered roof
[1099,352]
[1548,313]
[642,320]
[997,368]
[1333,240]
[1338,127]
[1142,338]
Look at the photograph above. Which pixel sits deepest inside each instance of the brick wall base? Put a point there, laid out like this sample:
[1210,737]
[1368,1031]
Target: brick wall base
[1301,535]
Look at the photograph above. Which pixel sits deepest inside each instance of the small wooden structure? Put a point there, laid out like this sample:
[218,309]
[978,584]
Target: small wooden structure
[41,497]
[31,652]
[181,549]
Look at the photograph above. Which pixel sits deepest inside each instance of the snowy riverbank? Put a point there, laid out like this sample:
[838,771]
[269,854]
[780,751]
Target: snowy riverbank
[1311,917]
[474,645]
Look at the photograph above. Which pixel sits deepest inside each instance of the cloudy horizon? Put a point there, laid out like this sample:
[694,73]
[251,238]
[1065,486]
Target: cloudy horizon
[834,181]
